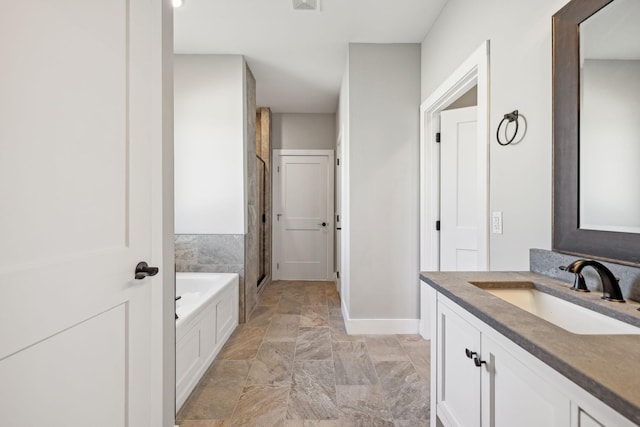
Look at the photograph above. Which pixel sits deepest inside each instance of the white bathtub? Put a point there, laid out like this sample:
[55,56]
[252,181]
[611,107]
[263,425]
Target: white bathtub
[207,315]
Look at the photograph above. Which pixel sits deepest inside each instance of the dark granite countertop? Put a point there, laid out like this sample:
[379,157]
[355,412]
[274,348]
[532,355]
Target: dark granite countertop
[607,366]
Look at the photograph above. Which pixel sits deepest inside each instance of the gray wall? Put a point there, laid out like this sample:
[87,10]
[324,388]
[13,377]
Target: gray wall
[303,131]
[383,177]
[520,175]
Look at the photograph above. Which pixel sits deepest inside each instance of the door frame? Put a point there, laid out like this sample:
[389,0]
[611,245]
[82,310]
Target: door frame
[162,393]
[473,71]
[337,212]
[277,154]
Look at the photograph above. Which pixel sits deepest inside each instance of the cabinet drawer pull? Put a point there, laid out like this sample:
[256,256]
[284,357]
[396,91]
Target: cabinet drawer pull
[470,353]
[478,362]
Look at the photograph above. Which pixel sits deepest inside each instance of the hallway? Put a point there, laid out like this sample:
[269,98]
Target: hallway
[293,364]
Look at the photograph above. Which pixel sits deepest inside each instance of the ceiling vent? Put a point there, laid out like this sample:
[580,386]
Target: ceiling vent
[306,4]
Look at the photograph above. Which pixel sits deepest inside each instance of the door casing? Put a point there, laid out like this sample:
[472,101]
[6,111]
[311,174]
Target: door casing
[474,71]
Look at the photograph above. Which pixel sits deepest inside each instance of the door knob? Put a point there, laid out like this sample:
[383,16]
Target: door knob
[143,270]
[324,224]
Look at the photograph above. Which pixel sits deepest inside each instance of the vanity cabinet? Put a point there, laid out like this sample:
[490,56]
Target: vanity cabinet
[479,383]
[458,379]
[483,379]
[514,395]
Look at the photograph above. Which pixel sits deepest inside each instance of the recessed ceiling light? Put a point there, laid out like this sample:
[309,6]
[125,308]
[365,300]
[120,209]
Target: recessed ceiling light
[306,4]
[177,3]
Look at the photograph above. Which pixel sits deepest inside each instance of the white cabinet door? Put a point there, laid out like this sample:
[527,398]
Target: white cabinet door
[514,395]
[588,411]
[585,420]
[458,378]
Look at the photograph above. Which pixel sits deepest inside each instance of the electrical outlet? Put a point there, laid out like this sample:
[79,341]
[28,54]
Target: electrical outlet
[496,222]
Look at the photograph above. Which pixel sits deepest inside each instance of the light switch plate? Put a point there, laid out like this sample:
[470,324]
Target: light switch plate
[496,222]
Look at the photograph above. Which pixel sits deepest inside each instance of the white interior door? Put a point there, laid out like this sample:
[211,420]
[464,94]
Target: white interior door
[303,216]
[459,201]
[75,211]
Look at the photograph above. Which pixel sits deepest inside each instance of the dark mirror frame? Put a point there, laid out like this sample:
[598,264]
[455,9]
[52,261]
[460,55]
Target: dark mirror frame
[567,236]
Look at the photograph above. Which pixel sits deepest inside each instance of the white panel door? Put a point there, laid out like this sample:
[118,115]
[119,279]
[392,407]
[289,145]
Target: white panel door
[459,207]
[75,211]
[303,217]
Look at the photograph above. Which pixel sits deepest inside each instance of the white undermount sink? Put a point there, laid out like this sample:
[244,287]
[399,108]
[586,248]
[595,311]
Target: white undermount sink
[562,313]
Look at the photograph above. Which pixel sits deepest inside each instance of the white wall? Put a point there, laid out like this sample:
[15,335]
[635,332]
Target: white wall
[520,70]
[209,144]
[303,131]
[380,229]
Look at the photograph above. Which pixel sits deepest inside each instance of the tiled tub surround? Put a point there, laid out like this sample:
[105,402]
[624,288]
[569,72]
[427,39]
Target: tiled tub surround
[604,365]
[213,253]
[547,262]
[210,253]
[293,364]
[251,259]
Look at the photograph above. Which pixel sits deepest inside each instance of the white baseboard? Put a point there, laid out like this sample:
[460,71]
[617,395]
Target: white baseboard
[379,326]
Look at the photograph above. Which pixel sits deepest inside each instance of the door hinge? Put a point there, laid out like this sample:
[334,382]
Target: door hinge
[338,162]
[437,225]
[338,274]
[438,137]
[278,266]
[278,169]
[264,217]
[337,218]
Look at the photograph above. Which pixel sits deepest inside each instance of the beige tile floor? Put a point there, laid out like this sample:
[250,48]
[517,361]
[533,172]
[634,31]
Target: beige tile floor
[293,365]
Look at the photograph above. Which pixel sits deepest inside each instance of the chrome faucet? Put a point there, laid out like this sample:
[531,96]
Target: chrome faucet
[610,287]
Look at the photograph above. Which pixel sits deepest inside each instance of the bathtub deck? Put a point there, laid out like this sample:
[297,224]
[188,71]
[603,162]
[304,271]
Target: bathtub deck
[293,361]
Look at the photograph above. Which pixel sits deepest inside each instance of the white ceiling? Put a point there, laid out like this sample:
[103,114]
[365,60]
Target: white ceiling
[298,57]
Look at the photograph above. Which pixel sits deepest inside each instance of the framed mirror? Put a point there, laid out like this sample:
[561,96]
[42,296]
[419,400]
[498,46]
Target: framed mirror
[596,129]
